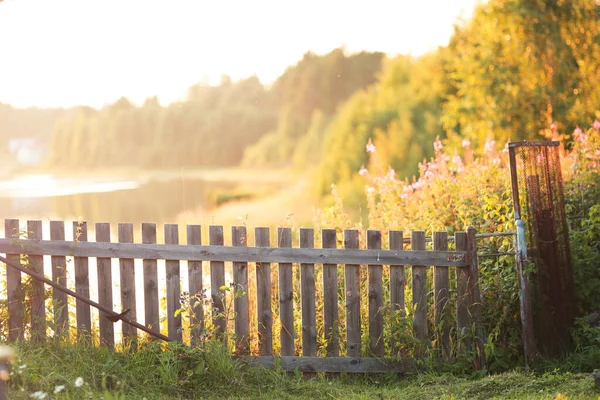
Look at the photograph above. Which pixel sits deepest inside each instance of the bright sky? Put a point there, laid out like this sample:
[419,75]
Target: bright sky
[67,52]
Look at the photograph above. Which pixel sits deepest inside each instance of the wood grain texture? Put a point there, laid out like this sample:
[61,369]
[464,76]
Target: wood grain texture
[397,287]
[105,295]
[263,300]
[127,275]
[173,281]
[60,305]
[375,296]
[335,364]
[307,295]
[352,287]
[330,297]
[260,254]
[15,296]
[286,296]
[195,286]
[82,281]
[239,238]
[150,272]
[419,281]
[217,281]
[441,287]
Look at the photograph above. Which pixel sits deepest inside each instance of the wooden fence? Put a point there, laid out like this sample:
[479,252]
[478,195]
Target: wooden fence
[338,285]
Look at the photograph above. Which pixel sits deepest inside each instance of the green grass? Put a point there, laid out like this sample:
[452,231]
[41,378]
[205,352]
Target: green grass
[176,372]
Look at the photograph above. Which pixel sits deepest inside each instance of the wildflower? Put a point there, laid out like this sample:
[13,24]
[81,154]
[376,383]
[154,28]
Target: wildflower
[79,382]
[429,175]
[457,160]
[370,189]
[577,132]
[59,388]
[489,146]
[553,126]
[505,149]
[23,366]
[391,173]
[370,147]
[437,145]
[404,196]
[596,125]
[39,395]
[466,143]
[363,171]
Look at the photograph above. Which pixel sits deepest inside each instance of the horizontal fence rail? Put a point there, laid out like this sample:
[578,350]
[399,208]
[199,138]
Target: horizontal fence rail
[314,307]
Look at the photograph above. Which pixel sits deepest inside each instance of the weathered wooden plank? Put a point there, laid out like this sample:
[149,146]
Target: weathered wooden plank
[230,253]
[15,296]
[173,286]
[441,285]
[105,296]
[240,303]
[352,275]
[330,297]
[375,296]
[217,280]
[475,294]
[60,305]
[263,297]
[462,297]
[307,295]
[150,268]
[82,281]
[419,281]
[286,296]
[397,286]
[195,289]
[335,364]
[127,274]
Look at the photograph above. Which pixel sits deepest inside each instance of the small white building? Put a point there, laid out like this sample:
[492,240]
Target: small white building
[26,151]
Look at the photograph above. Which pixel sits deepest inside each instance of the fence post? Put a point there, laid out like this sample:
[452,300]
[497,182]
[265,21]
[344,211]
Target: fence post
[475,294]
[6,356]
[528,336]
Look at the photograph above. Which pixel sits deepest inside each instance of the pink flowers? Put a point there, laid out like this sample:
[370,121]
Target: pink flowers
[579,136]
[596,125]
[466,143]
[489,146]
[370,147]
[437,145]
[363,171]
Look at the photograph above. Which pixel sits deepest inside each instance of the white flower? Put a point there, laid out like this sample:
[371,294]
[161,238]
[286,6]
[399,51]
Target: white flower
[39,395]
[59,388]
[79,382]
[363,171]
[370,147]
[23,366]
[466,143]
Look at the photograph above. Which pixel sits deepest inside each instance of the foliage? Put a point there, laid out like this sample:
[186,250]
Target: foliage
[517,66]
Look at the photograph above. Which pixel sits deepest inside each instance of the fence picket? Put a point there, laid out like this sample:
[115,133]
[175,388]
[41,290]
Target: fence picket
[82,281]
[217,280]
[60,305]
[263,297]
[127,275]
[475,294]
[330,297]
[397,286]
[150,270]
[173,286]
[441,287]
[195,289]
[463,317]
[376,345]
[14,289]
[286,296]
[307,294]
[105,296]
[352,287]
[240,304]
[419,281]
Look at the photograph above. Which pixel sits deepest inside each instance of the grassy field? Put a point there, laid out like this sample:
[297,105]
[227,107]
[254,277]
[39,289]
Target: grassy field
[80,371]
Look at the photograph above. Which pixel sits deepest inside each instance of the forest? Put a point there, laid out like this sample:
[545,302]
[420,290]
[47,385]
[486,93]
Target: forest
[512,71]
